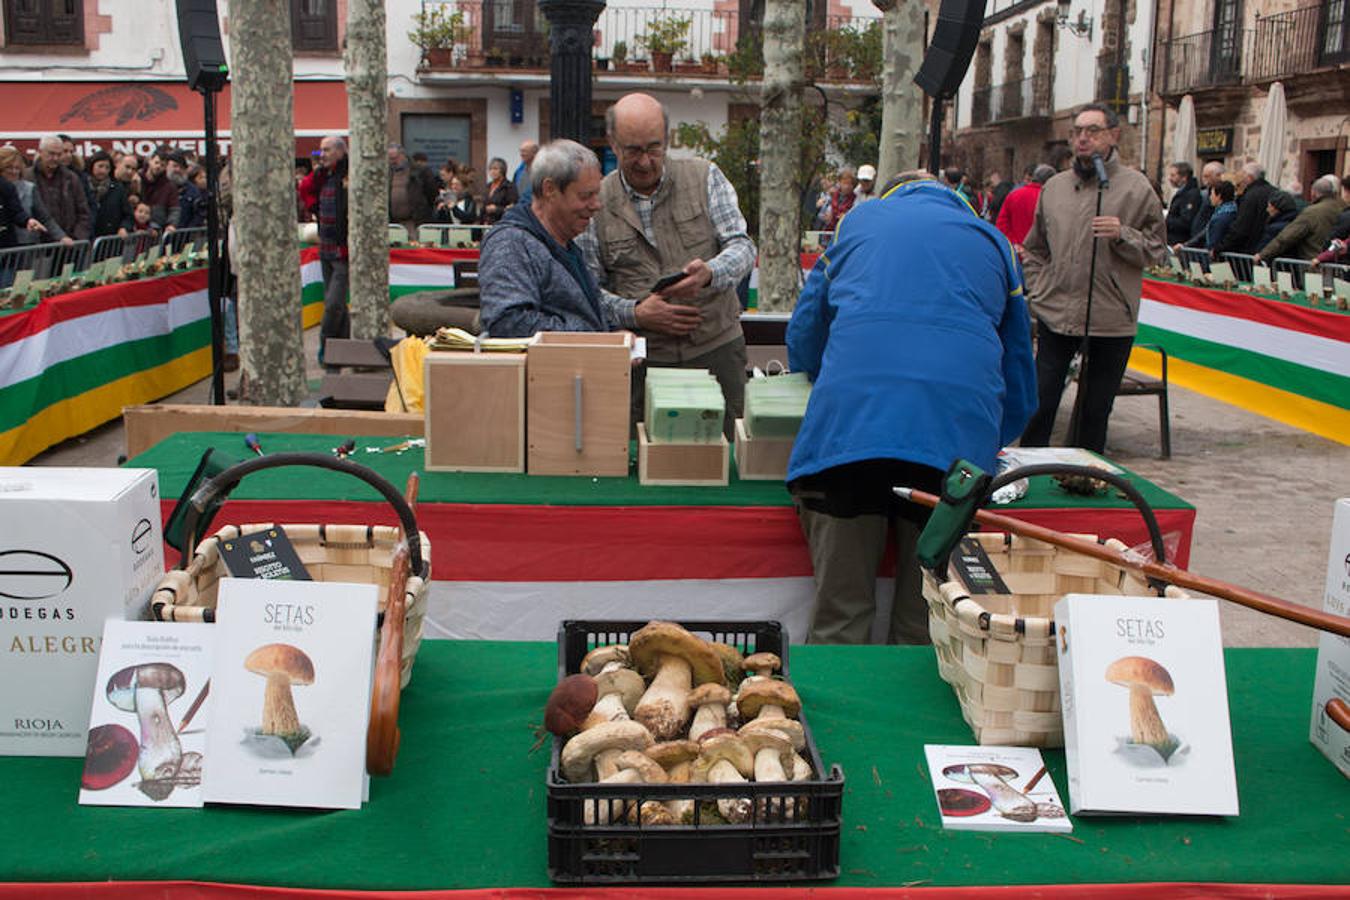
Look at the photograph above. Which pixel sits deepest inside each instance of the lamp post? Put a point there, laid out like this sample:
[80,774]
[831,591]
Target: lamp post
[571,26]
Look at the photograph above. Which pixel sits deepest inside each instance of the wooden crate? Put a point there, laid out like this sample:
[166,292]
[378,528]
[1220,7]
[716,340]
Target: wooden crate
[564,369]
[681,464]
[475,412]
[761,459]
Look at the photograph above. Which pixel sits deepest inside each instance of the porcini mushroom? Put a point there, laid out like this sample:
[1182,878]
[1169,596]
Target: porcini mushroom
[710,709]
[602,658]
[790,728]
[598,749]
[773,753]
[676,758]
[282,665]
[761,664]
[110,757]
[630,767]
[724,759]
[766,698]
[732,662]
[675,660]
[147,690]
[1145,679]
[619,691]
[1010,802]
[569,704]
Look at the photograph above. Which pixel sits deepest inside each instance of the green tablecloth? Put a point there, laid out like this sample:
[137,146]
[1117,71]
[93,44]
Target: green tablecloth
[465,806]
[176,457]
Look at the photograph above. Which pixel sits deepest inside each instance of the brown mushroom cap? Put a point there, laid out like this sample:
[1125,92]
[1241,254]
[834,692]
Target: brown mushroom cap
[671,753]
[579,753]
[600,657]
[723,746]
[624,682]
[757,662]
[705,694]
[789,727]
[281,659]
[769,739]
[1140,671]
[122,686]
[570,704]
[657,639]
[649,769]
[755,695]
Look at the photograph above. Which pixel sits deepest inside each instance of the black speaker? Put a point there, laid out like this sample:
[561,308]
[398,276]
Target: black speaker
[953,44]
[203,55]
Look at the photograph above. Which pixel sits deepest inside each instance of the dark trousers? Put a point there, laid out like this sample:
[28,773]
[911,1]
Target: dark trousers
[1105,364]
[336,322]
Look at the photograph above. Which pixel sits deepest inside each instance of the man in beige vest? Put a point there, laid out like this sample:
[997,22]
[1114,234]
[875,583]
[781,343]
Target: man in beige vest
[660,216]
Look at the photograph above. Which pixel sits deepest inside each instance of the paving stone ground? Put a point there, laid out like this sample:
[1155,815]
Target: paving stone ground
[1263,493]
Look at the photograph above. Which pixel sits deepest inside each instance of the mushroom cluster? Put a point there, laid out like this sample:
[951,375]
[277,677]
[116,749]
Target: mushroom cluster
[672,708]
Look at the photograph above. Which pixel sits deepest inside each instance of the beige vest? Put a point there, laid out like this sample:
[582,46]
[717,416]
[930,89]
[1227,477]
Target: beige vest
[684,231]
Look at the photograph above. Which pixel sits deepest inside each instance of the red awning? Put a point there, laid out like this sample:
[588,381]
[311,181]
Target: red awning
[137,116]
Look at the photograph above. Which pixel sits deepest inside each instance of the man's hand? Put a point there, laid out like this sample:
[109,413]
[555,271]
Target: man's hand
[1256,259]
[170,229]
[68,241]
[35,225]
[1106,227]
[653,313]
[121,232]
[697,276]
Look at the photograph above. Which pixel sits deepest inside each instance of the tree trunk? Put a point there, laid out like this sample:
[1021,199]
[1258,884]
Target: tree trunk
[368,172]
[263,159]
[902,127]
[780,149]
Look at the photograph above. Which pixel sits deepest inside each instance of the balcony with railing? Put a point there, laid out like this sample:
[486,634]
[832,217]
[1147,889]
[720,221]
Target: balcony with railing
[472,35]
[1027,98]
[1207,59]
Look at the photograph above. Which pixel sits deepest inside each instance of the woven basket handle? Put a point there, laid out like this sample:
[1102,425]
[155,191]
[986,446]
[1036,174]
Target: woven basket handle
[1126,487]
[219,488]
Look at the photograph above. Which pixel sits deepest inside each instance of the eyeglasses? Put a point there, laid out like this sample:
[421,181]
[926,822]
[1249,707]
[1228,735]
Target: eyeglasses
[654,151]
[1089,130]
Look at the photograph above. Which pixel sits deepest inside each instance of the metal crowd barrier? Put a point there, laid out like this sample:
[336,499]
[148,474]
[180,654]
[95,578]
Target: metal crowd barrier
[1242,264]
[397,234]
[1332,271]
[125,248]
[1295,268]
[43,260]
[174,241]
[1198,255]
[450,235]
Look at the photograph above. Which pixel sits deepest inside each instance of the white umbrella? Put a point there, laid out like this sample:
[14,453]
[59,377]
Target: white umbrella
[1271,153]
[1183,138]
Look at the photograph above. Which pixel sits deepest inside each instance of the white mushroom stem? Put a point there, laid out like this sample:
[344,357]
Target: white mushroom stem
[607,763]
[733,809]
[664,708]
[801,769]
[769,766]
[1010,802]
[610,708]
[706,718]
[598,810]
[769,711]
[682,810]
[1146,726]
[279,707]
[160,751]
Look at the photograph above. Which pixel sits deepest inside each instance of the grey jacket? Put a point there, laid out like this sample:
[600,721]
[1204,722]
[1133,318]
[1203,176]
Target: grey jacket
[34,209]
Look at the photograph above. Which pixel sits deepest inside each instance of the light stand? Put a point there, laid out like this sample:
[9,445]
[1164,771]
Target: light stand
[1076,420]
[215,272]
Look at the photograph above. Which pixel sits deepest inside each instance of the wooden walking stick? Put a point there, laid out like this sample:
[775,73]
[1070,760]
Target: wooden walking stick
[382,738]
[1171,574]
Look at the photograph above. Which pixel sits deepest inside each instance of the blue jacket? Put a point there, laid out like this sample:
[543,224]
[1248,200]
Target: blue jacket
[914,331]
[1219,221]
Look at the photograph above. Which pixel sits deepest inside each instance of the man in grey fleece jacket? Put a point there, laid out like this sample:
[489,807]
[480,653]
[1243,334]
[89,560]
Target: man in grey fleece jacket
[531,275]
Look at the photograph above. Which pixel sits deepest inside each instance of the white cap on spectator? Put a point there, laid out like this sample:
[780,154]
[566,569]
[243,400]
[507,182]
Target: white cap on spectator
[867,173]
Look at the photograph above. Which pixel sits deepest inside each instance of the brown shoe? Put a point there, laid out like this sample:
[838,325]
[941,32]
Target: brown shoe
[230,363]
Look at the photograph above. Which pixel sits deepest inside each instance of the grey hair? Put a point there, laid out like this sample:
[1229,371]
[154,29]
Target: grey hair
[1325,186]
[1112,117]
[1254,169]
[51,141]
[338,142]
[1044,172]
[562,162]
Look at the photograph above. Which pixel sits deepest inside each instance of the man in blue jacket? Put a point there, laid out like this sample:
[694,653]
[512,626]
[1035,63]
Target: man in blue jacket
[915,334]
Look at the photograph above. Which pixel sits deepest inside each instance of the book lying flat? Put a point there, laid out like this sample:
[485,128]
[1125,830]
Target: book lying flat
[994,789]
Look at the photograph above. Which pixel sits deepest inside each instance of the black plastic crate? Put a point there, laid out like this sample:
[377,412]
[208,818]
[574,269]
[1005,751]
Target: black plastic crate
[793,834]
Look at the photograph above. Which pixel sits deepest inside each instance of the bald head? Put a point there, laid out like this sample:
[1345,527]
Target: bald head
[331,150]
[636,127]
[527,151]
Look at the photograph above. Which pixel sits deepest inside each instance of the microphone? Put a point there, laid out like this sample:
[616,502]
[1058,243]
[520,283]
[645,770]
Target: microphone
[1100,168]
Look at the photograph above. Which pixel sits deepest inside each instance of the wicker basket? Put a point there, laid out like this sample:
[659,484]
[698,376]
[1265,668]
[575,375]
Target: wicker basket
[998,650]
[351,553]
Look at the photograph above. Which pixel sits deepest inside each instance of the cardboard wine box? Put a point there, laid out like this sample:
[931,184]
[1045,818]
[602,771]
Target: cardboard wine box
[1145,706]
[1333,654]
[77,547]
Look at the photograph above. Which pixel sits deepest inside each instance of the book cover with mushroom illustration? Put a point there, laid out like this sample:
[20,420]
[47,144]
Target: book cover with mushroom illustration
[994,789]
[1145,706]
[291,688]
[147,725]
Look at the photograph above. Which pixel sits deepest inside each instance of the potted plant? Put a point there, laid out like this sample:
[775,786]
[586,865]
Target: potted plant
[437,31]
[665,37]
[689,66]
[619,55]
[709,62]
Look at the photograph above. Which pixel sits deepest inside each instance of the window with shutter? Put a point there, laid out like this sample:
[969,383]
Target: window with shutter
[44,22]
[314,24]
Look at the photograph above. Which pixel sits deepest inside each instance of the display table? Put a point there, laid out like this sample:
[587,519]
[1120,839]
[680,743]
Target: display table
[511,554]
[1282,358]
[465,805]
[73,361]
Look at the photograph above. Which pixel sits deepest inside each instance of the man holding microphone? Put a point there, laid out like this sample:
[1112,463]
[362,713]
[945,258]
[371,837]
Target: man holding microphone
[1071,291]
